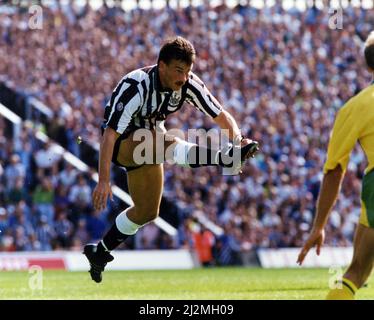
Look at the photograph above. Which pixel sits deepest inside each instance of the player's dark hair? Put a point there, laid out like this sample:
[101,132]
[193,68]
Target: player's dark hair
[177,48]
[369,56]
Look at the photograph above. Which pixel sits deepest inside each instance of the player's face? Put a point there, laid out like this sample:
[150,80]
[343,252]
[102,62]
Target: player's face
[175,74]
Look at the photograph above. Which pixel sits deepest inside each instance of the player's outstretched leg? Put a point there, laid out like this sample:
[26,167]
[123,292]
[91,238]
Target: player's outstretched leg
[194,156]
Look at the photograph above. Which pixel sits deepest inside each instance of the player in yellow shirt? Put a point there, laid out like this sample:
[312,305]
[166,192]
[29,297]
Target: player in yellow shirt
[354,122]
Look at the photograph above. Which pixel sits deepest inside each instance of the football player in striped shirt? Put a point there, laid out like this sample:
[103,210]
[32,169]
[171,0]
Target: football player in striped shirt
[140,103]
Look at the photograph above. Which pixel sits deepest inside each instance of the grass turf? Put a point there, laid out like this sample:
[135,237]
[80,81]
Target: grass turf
[209,283]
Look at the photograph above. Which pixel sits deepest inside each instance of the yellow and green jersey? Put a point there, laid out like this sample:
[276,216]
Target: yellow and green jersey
[355,122]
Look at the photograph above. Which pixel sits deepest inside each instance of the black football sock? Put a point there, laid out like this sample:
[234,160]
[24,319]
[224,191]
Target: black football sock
[201,157]
[112,239]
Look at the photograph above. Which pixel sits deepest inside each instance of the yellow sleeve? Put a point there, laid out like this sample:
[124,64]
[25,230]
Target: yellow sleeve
[343,138]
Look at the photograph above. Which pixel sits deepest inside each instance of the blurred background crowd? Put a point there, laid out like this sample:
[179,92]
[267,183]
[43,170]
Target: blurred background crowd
[283,74]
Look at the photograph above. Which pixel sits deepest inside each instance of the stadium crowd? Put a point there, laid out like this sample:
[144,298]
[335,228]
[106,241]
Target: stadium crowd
[282,74]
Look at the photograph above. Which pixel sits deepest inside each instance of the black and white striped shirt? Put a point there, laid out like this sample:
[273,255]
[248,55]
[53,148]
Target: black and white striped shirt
[138,100]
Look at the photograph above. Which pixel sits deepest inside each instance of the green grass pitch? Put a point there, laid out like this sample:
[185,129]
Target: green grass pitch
[209,283]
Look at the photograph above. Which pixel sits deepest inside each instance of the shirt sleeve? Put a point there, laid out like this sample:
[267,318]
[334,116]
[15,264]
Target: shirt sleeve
[343,138]
[199,95]
[124,103]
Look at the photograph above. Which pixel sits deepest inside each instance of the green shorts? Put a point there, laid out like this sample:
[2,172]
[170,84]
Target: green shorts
[367,200]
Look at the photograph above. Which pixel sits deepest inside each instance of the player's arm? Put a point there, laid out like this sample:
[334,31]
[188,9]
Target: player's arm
[199,95]
[118,114]
[327,197]
[227,123]
[106,151]
[326,200]
[103,189]
[343,138]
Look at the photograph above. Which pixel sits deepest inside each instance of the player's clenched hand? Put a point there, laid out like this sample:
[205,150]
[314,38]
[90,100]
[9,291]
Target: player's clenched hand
[100,195]
[316,238]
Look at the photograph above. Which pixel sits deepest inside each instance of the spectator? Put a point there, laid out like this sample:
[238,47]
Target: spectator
[68,175]
[47,159]
[7,241]
[203,242]
[4,223]
[43,199]
[81,232]
[80,193]
[13,171]
[45,234]
[63,229]
[18,192]
[61,197]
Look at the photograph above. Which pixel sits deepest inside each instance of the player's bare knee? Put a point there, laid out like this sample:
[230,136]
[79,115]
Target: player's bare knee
[147,214]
